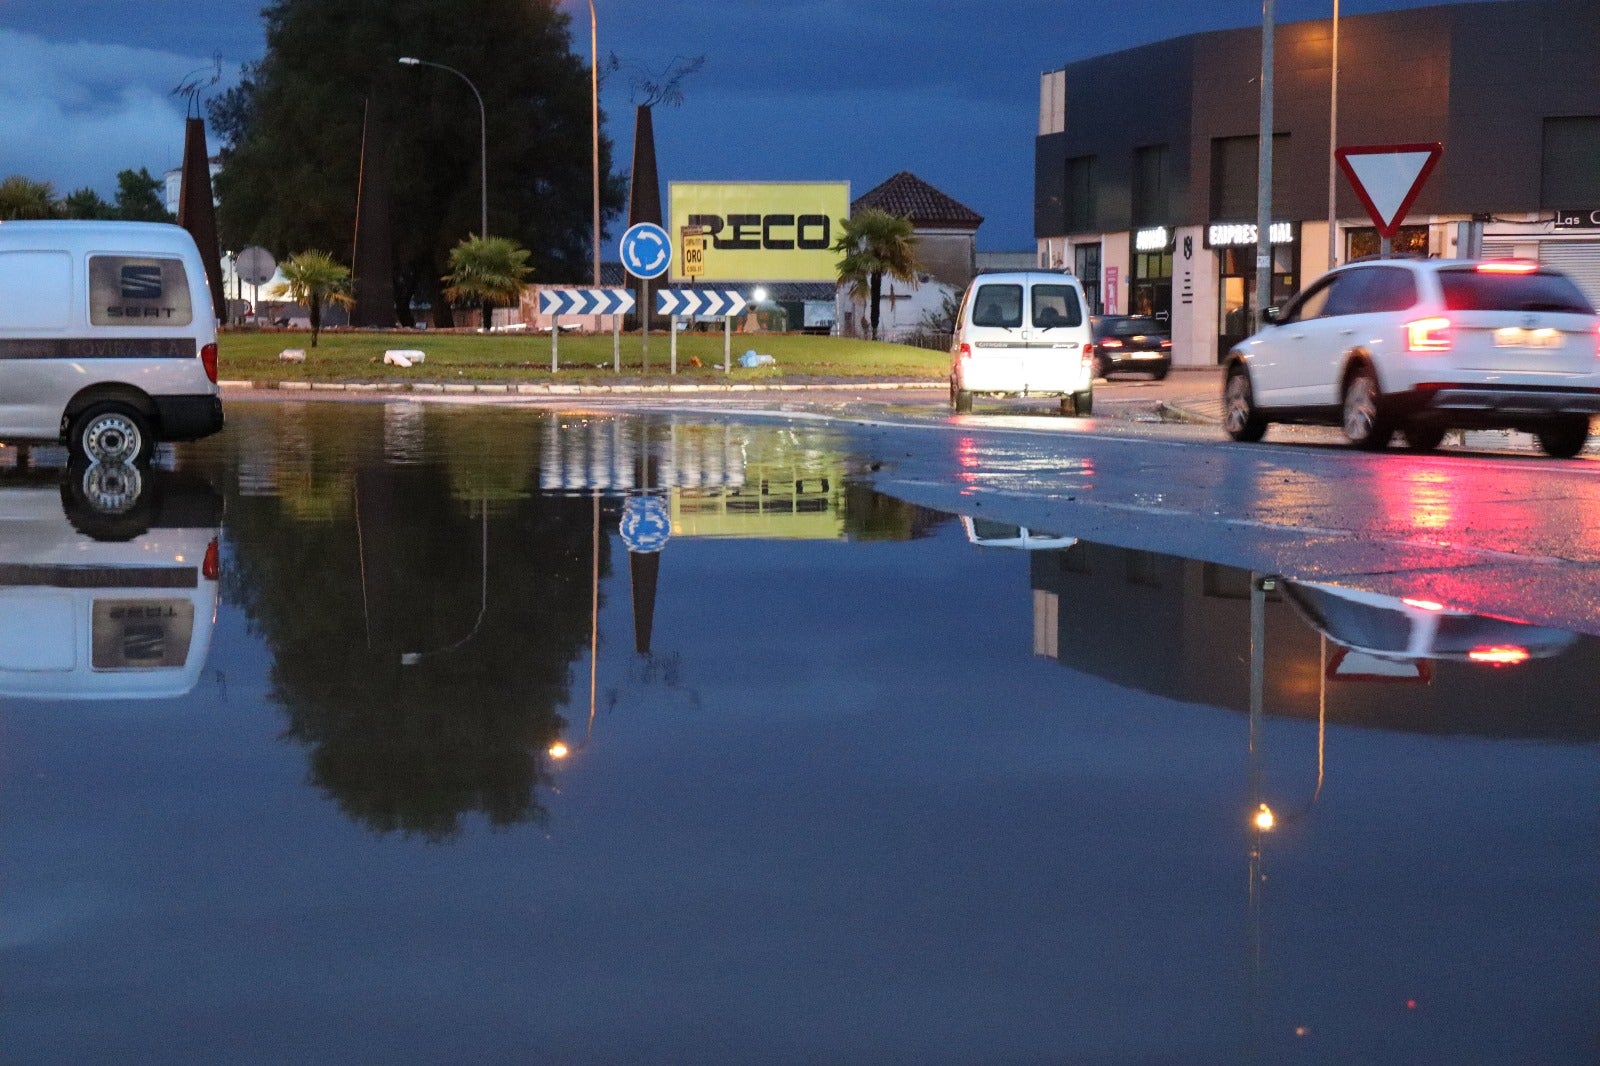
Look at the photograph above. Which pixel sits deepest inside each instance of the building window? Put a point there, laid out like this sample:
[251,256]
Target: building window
[1363,241]
[1080,194]
[1234,171]
[1086,265]
[1150,191]
[1571,174]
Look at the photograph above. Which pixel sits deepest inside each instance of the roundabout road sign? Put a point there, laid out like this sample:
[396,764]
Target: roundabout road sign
[646,250]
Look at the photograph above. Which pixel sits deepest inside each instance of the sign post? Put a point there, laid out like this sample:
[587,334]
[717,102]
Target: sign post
[1387,179]
[646,253]
[557,302]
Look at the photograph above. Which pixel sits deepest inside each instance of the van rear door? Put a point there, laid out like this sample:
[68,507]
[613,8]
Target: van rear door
[1054,339]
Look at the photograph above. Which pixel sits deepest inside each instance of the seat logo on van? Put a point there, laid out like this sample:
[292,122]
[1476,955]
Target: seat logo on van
[140,283]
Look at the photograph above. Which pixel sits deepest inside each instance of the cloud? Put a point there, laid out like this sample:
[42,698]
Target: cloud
[77,113]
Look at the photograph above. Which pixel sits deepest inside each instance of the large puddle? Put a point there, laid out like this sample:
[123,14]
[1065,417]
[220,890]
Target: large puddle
[390,734]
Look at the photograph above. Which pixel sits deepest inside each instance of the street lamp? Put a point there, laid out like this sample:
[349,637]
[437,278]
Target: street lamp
[594,110]
[483,136]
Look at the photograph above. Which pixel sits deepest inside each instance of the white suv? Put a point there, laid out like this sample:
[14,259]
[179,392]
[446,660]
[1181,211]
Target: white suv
[1424,346]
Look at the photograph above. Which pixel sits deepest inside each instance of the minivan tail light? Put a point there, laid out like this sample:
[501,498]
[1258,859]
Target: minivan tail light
[965,351]
[208,359]
[1428,335]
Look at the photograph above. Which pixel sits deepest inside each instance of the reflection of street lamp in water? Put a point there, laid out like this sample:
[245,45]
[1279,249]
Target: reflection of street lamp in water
[1263,819]
[412,658]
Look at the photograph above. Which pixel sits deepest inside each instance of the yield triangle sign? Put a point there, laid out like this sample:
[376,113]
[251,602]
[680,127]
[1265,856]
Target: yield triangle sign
[1387,178]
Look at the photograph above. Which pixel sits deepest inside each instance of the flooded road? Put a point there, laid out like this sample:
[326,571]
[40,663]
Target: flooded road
[508,736]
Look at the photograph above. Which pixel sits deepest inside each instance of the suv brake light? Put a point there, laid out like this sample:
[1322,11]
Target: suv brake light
[1428,335]
[208,359]
[1507,266]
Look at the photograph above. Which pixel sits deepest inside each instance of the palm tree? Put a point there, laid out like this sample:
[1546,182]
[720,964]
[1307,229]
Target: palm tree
[314,277]
[873,244]
[487,271]
[22,197]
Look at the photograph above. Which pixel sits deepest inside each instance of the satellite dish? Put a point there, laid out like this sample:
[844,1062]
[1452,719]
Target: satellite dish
[255,265]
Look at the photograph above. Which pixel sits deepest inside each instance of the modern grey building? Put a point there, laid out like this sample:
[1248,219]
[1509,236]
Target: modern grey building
[1145,170]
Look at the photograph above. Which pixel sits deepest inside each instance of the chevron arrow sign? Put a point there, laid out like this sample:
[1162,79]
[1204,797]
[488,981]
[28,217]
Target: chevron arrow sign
[703,303]
[585,301]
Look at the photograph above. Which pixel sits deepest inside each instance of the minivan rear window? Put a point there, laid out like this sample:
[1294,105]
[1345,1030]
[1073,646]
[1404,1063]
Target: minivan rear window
[1056,305]
[1469,290]
[138,291]
[997,305]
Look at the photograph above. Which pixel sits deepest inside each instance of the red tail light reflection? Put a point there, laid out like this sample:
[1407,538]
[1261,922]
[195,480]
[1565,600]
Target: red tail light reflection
[1499,655]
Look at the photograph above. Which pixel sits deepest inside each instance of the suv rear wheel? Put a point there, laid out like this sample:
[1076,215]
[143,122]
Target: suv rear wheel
[1423,438]
[1564,437]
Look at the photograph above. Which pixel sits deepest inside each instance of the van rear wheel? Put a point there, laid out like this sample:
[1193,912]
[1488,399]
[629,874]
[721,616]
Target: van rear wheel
[1078,403]
[111,433]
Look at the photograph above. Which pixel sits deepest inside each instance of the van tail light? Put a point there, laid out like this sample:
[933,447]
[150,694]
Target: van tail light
[208,359]
[211,569]
[1428,335]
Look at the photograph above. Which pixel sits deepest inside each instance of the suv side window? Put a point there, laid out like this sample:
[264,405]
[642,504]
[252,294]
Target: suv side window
[1349,293]
[1310,303]
[1387,289]
[998,305]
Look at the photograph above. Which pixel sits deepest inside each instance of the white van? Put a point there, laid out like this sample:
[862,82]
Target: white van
[108,340]
[108,582]
[1023,333]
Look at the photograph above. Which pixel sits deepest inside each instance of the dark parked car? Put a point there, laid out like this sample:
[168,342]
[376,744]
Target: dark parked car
[1131,342]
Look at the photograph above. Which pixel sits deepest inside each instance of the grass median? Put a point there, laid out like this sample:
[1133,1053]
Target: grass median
[357,356]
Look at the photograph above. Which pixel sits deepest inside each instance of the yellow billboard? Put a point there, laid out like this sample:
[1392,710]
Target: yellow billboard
[761,231]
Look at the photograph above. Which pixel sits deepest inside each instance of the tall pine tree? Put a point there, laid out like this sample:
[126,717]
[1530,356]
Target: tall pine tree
[293,134]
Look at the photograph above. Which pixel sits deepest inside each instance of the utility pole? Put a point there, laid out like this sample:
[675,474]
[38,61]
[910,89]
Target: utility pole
[1264,172]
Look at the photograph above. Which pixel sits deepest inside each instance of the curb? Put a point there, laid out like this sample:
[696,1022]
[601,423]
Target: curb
[507,388]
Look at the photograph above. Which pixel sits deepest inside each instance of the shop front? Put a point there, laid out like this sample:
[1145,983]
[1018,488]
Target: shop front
[1150,286]
[1235,246]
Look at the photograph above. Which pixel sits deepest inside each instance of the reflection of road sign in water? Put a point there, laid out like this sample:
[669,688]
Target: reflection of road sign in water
[645,524]
[646,250]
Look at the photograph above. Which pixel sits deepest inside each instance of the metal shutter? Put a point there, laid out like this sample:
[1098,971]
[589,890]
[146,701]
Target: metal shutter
[1579,260]
[1501,249]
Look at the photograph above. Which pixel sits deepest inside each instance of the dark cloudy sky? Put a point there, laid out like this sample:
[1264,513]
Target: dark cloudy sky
[791,90]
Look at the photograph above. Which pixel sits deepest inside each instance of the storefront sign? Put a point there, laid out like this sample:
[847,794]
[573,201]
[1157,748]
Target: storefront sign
[1243,234]
[1588,218]
[1155,239]
[1113,297]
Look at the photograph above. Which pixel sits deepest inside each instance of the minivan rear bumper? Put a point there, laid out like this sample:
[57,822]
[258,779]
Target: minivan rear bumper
[188,417]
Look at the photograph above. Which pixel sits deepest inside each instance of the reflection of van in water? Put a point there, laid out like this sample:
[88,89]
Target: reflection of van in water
[989,534]
[108,582]
[108,340]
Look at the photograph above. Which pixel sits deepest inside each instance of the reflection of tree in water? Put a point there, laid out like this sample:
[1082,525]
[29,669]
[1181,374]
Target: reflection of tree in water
[463,728]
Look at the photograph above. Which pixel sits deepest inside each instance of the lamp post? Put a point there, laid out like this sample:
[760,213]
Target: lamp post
[483,137]
[594,109]
[1264,171]
[1333,143]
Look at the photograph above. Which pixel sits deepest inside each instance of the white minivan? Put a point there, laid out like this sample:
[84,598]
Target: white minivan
[108,340]
[1023,333]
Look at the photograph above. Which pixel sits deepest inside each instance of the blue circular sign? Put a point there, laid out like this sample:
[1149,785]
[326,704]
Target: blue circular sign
[645,524]
[646,250]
